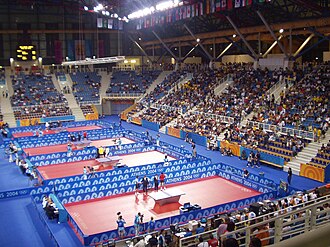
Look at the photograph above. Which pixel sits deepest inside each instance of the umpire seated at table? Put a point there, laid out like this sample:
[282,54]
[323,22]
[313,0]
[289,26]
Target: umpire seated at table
[50,208]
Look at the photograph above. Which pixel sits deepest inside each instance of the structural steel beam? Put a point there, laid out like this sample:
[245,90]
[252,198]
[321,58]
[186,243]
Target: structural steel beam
[165,46]
[255,56]
[249,37]
[271,47]
[319,34]
[272,33]
[140,47]
[235,43]
[192,49]
[310,48]
[294,25]
[224,51]
[200,44]
[303,45]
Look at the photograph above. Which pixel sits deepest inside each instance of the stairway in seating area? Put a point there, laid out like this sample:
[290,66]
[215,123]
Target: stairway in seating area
[6,108]
[158,80]
[306,154]
[105,82]
[75,108]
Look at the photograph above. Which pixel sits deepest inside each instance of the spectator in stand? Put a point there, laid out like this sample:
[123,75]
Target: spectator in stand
[230,242]
[153,241]
[199,228]
[262,233]
[255,242]
[213,242]
[202,243]
[222,227]
[140,242]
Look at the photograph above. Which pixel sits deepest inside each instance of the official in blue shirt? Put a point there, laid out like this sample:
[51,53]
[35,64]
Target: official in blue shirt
[151,225]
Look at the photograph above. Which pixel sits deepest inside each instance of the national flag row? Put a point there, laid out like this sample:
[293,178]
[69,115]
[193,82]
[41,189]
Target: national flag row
[188,11]
[107,23]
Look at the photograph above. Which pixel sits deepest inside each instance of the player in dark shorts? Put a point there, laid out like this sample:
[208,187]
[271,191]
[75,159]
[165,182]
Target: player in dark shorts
[162,181]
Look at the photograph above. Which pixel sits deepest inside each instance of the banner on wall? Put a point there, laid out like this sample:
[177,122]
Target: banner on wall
[70,49]
[80,53]
[101,48]
[58,51]
[235,148]
[173,132]
[312,172]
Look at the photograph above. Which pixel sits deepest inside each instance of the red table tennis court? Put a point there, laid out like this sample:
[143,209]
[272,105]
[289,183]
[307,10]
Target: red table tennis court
[73,129]
[64,147]
[99,215]
[76,168]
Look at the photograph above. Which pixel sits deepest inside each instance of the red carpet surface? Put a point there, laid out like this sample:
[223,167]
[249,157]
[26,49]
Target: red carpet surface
[73,129]
[99,215]
[64,147]
[76,168]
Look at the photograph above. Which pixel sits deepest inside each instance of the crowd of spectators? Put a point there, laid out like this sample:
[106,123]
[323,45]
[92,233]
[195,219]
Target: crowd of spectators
[42,111]
[36,96]
[185,97]
[131,81]
[86,86]
[304,105]
[285,146]
[35,89]
[87,109]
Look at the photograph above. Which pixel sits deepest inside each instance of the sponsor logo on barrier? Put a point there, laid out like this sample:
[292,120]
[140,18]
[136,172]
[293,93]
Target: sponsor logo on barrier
[174,180]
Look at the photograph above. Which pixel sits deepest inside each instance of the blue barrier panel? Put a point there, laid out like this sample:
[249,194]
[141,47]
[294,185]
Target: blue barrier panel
[198,139]
[239,172]
[62,213]
[264,156]
[183,134]
[15,193]
[58,118]
[150,125]
[245,182]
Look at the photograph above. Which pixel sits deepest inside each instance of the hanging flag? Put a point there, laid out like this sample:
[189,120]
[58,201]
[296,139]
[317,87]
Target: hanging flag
[246,2]
[207,10]
[120,25]
[110,24]
[230,4]
[201,9]
[217,5]
[188,11]
[180,14]
[177,14]
[223,5]
[184,12]
[99,22]
[139,24]
[105,23]
[196,9]
[212,5]
[192,10]
[237,3]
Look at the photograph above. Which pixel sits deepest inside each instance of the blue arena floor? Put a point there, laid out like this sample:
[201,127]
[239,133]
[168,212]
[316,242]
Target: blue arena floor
[20,222]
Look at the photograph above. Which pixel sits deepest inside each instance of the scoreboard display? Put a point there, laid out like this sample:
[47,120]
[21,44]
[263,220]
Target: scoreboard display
[26,53]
